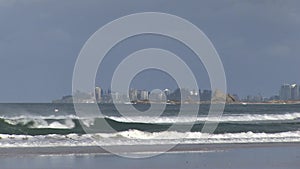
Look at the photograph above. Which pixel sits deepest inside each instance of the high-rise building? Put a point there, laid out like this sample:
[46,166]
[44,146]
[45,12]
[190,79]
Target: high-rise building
[285,92]
[133,95]
[294,92]
[206,95]
[144,95]
[98,94]
[157,96]
[180,94]
[167,93]
[116,97]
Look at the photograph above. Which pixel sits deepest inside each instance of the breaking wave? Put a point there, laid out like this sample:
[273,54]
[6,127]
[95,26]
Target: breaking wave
[136,137]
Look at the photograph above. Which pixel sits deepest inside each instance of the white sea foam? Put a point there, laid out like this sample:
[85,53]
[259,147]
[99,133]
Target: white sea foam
[135,137]
[68,124]
[30,116]
[65,121]
[224,118]
[167,119]
[41,123]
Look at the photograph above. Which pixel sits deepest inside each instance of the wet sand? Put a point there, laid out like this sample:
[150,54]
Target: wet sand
[97,150]
[225,156]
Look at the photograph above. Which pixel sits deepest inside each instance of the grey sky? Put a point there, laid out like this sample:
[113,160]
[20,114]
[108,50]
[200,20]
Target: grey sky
[258,42]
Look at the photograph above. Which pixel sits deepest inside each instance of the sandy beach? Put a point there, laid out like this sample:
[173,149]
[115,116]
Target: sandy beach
[223,156]
[98,150]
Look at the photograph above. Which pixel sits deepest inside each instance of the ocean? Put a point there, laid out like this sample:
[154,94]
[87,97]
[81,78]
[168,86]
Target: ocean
[58,125]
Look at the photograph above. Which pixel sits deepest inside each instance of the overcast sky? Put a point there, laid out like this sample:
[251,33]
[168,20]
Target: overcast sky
[258,42]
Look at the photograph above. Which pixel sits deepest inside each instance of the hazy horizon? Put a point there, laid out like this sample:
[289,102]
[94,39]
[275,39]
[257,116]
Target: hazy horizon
[257,42]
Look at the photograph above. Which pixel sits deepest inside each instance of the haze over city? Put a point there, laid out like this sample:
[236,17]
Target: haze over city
[40,40]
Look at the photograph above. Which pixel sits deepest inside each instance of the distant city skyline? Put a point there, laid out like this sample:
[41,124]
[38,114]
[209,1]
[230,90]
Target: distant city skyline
[258,43]
[287,92]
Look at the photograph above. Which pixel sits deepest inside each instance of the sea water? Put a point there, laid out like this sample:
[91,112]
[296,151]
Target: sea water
[47,125]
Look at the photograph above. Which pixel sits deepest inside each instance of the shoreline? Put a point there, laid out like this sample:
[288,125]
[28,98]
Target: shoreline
[97,150]
[225,156]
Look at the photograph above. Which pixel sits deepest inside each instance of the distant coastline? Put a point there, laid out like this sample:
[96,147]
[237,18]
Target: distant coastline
[204,103]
